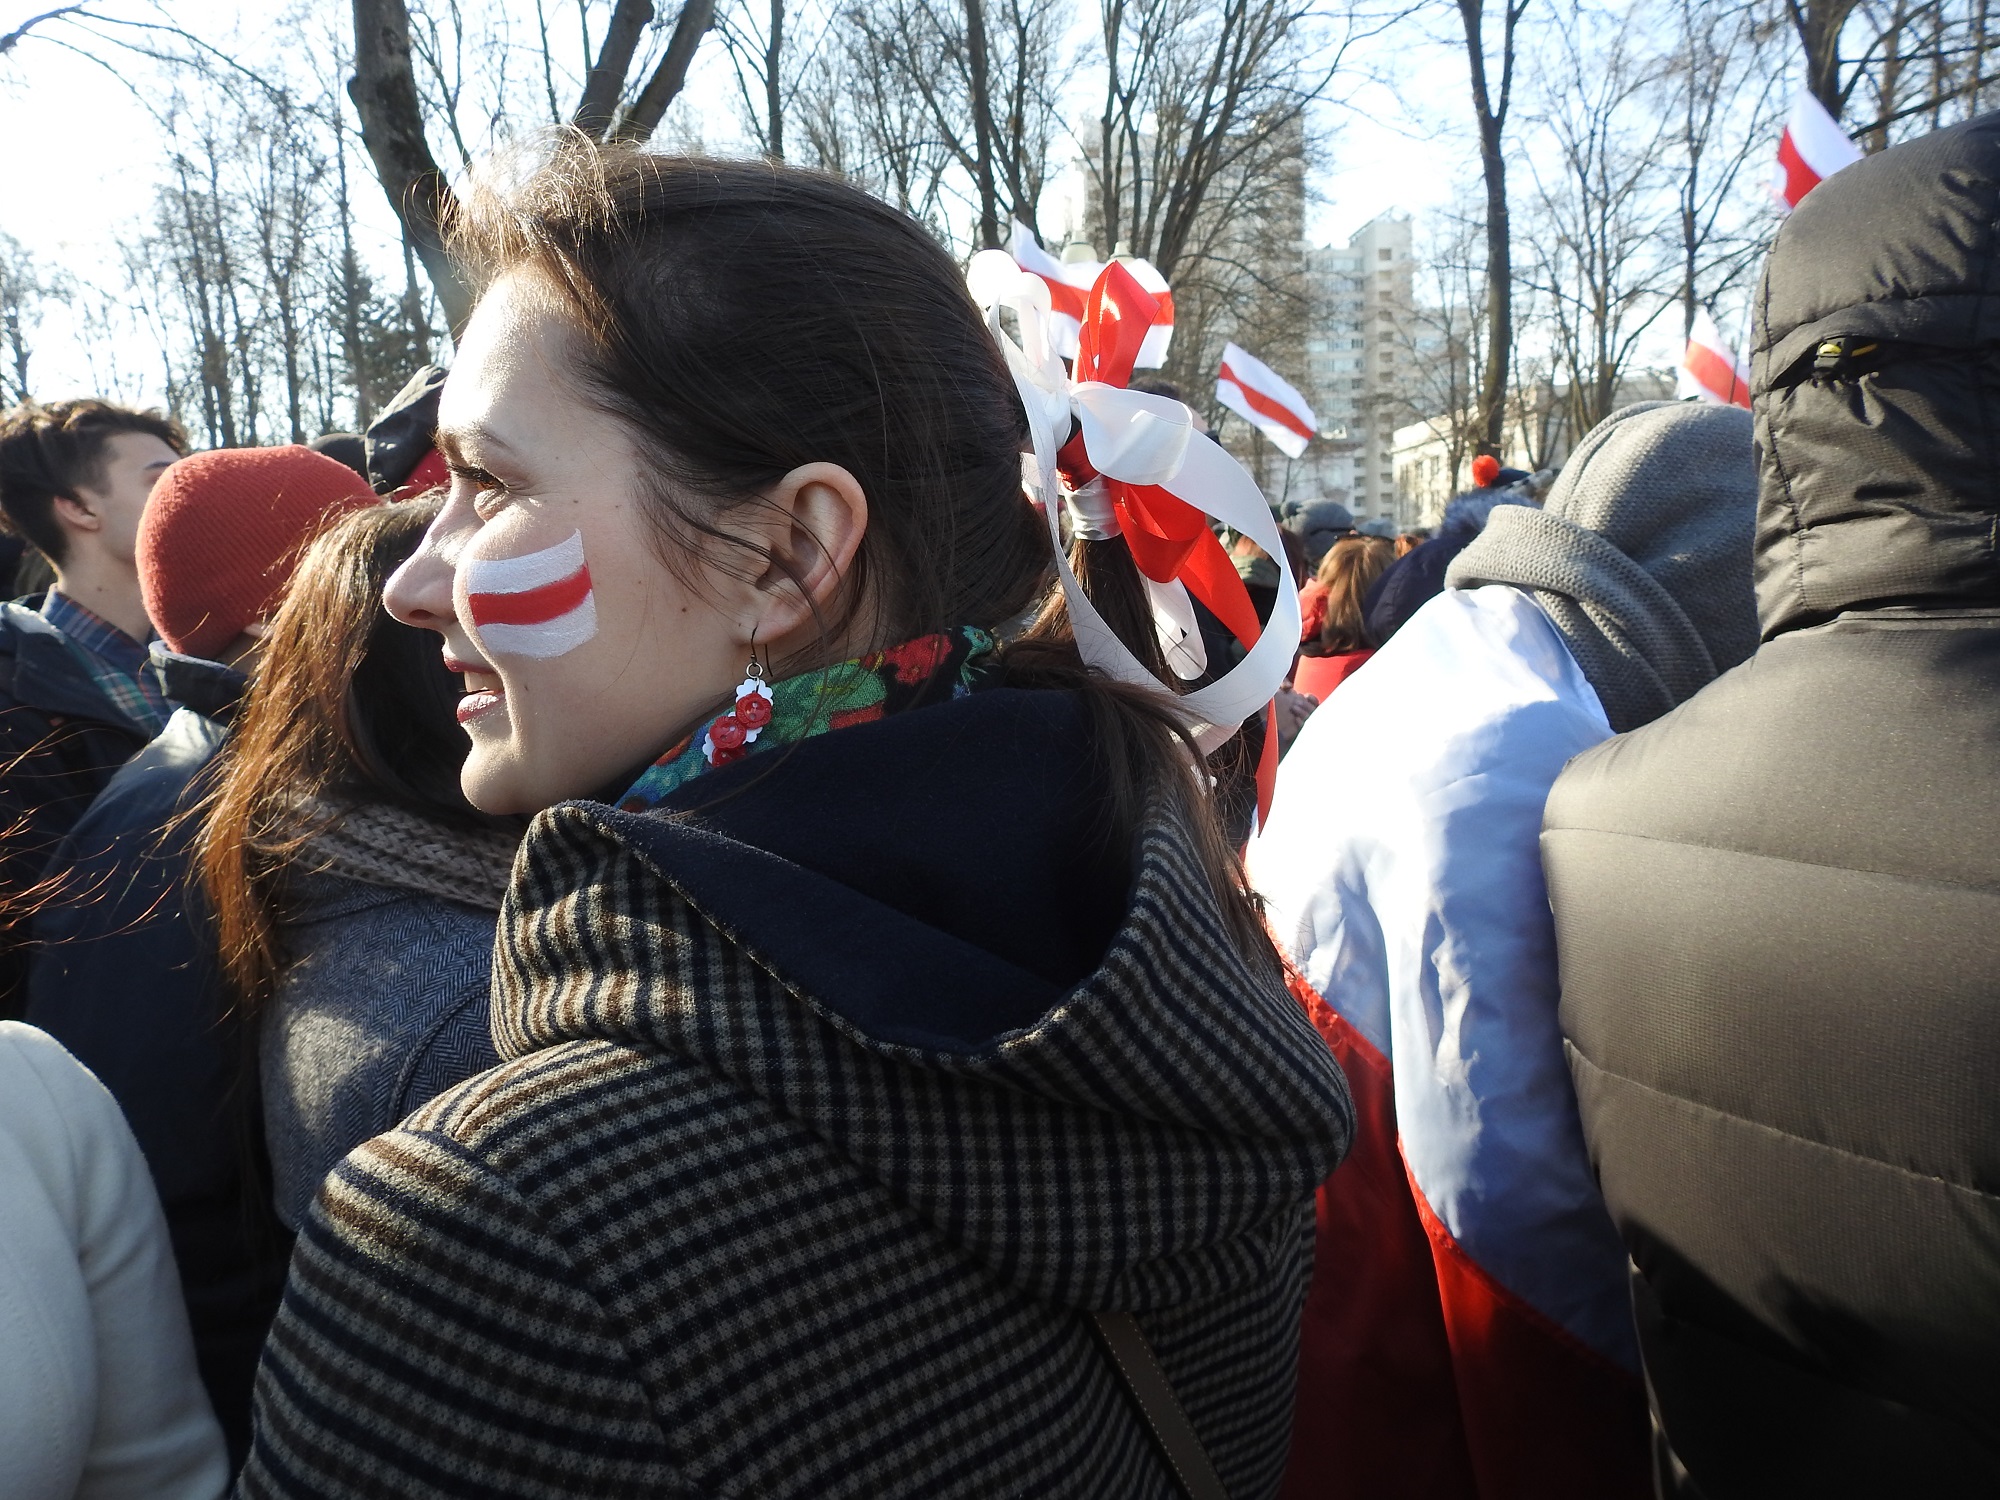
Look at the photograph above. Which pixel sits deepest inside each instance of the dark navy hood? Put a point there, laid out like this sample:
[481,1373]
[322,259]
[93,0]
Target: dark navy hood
[940,876]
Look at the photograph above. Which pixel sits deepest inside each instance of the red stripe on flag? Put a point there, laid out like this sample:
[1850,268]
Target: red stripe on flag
[1063,298]
[1545,1415]
[1716,375]
[1376,1413]
[1800,179]
[1264,406]
[532,606]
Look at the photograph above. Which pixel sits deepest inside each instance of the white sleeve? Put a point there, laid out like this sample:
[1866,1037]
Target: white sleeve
[99,1397]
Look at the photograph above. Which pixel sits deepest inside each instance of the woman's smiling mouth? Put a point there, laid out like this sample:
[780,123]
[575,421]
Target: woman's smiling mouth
[483,692]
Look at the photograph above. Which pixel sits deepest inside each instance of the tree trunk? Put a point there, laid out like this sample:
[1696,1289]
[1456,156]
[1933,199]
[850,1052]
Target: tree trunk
[384,91]
[982,122]
[643,118]
[1492,117]
[599,103]
[1819,24]
[774,89]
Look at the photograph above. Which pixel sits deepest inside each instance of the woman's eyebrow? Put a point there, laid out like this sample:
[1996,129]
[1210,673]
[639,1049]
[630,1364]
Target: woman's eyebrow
[456,443]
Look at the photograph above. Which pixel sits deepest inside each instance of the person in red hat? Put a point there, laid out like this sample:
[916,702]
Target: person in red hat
[217,545]
[122,973]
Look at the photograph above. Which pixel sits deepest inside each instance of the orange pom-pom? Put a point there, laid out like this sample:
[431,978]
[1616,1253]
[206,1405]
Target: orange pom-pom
[1485,469]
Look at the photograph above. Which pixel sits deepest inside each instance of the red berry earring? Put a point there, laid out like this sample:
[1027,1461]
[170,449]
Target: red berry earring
[729,738]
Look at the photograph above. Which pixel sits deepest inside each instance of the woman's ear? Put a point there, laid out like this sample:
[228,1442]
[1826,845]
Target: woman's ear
[811,524]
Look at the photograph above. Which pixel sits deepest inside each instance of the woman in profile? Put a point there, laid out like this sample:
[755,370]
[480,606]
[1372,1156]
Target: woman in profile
[1341,643]
[888,1035]
[354,889]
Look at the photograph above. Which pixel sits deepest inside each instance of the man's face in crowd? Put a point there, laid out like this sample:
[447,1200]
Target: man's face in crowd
[131,465]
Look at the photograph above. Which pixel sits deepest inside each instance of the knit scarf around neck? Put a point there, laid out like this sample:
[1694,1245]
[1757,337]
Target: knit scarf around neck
[388,846]
[930,669]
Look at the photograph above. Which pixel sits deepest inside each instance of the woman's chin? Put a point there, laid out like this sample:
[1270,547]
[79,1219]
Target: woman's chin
[493,781]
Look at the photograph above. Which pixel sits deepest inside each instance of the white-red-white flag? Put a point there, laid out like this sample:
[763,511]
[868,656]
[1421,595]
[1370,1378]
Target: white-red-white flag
[1264,399]
[1710,368]
[1811,150]
[1069,282]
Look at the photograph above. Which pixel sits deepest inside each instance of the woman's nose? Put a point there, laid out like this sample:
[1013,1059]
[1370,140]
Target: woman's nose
[419,593]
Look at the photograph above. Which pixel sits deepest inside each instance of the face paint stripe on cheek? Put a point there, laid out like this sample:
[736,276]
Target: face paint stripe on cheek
[538,604]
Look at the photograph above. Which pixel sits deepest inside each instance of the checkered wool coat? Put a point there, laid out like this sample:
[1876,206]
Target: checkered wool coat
[830,1111]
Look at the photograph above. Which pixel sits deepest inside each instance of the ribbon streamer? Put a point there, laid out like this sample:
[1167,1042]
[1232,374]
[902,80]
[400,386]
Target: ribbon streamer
[1163,486]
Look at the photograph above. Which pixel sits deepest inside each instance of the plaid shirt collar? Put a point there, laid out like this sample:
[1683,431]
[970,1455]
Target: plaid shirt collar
[118,664]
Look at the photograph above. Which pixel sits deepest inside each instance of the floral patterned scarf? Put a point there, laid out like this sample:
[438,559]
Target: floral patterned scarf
[930,669]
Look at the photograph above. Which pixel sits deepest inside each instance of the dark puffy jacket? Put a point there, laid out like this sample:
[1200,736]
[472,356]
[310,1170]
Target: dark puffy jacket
[1778,907]
[1417,577]
[60,740]
[124,975]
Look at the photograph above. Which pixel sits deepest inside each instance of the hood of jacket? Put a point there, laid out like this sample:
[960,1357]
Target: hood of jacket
[1045,1047]
[211,688]
[1876,371]
[1641,556]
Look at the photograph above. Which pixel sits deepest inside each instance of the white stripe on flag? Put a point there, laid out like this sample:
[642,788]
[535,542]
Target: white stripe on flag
[1710,369]
[1812,148]
[1245,384]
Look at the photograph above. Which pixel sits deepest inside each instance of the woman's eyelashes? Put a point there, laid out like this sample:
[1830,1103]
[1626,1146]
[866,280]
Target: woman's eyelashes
[488,491]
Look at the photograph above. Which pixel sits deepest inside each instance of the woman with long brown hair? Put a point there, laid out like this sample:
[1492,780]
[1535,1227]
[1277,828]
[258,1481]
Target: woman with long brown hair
[1346,573]
[354,889]
[892,1052]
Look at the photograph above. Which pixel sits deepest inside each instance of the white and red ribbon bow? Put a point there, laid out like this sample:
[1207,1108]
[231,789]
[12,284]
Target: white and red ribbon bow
[1162,486]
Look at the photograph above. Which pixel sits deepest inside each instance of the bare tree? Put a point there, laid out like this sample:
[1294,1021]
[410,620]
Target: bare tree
[1491,100]
[1444,340]
[1719,88]
[1599,208]
[856,116]
[1198,95]
[1818,24]
[390,105]
[1892,67]
[988,78]
[25,285]
[778,51]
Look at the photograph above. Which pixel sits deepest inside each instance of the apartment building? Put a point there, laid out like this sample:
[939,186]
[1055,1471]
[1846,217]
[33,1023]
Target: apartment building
[1357,356]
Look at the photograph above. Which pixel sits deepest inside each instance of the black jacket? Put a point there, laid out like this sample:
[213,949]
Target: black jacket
[124,974]
[1778,907]
[60,740]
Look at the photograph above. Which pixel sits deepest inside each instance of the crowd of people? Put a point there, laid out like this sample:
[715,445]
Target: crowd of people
[613,935]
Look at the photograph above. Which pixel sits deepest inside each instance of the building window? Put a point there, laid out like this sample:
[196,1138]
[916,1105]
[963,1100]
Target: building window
[1385,255]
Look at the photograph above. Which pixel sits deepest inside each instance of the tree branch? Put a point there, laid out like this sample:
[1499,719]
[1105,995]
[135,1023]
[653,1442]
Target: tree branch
[384,91]
[599,104]
[8,42]
[640,121]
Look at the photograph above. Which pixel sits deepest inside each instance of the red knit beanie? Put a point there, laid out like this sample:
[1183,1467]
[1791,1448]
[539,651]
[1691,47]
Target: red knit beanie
[223,531]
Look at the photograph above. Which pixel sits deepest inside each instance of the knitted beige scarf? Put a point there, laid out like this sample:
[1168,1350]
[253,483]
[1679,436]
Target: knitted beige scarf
[387,846]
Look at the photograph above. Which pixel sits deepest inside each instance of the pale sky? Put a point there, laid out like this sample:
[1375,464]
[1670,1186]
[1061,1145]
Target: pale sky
[85,157]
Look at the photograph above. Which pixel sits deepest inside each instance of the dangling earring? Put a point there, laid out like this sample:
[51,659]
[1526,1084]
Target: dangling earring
[729,738]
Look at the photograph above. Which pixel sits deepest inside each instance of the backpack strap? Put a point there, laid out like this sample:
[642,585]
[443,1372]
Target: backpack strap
[1143,1377]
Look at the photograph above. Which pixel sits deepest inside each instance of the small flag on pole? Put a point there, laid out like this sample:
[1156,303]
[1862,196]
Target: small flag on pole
[1811,150]
[1069,282]
[1710,369]
[1256,393]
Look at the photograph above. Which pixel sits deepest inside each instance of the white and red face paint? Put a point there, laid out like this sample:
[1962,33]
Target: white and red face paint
[538,604]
